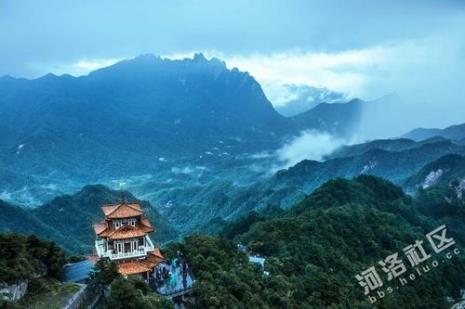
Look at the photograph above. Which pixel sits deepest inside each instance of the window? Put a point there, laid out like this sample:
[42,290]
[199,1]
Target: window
[117,224]
[132,222]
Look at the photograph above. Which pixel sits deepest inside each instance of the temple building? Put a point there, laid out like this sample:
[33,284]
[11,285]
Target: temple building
[123,237]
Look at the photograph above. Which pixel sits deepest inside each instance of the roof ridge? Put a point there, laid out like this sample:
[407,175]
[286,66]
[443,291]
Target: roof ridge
[132,206]
[148,221]
[117,206]
[111,205]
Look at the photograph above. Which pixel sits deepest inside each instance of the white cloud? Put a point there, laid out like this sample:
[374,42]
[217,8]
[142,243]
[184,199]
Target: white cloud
[87,65]
[422,71]
[306,68]
[311,145]
[336,71]
[182,170]
[82,66]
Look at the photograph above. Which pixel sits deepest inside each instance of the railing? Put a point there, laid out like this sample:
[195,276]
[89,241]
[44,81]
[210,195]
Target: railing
[140,252]
[121,255]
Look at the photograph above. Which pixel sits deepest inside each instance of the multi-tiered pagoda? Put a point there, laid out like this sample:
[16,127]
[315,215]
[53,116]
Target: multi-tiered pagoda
[123,236]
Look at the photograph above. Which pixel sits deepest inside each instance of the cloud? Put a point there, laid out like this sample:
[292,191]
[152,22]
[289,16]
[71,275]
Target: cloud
[86,65]
[294,99]
[311,145]
[78,67]
[424,72]
[424,69]
[182,170]
[315,69]
[188,170]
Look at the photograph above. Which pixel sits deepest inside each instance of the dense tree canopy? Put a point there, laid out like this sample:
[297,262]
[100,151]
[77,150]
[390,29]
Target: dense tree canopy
[134,294]
[23,257]
[314,250]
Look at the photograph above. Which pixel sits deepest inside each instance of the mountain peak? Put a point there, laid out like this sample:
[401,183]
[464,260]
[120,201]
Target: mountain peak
[147,57]
[199,57]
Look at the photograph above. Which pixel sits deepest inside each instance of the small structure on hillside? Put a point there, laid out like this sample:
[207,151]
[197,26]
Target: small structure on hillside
[256,259]
[123,237]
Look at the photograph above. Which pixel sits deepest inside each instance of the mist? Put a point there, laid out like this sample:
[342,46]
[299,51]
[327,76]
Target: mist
[308,145]
[415,49]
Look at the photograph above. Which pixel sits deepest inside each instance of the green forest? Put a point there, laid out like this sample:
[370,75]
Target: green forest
[315,249]
[313,252]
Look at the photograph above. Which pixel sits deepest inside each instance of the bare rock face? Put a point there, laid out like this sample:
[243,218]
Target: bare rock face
[460,189]
[13,292]
[432,178]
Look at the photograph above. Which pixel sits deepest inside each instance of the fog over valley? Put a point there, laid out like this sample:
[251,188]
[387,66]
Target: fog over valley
[232,154]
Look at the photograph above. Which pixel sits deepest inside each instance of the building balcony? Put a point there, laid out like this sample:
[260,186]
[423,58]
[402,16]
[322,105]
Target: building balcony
[114,255]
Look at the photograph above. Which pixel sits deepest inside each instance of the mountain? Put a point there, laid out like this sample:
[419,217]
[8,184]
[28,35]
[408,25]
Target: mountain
[190,205]
[68,219]
[297,99]
[393,165]
[442,171]
[383,144]
[391,145]
[314,250]
[355,118]
[20,220]
[141,107]
[339,119]
[455,133]
[142,116]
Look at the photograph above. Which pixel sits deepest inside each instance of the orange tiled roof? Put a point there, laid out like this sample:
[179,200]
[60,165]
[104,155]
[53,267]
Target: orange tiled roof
[126,231]
[157,253]
[133,267]
[141,266]
[123,210]
[100,227]
[154,258]
[146,222]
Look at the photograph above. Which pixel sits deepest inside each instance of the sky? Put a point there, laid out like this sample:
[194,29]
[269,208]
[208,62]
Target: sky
[364,49]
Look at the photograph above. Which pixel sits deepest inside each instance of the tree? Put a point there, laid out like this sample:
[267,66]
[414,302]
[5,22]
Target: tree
[105,271]
[125,294]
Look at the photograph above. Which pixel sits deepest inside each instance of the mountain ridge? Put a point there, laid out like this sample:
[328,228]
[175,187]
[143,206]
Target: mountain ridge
[454,132]
[125,119]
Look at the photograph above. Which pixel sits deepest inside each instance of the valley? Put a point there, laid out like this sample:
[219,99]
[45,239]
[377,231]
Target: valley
[147,125]
[232,154]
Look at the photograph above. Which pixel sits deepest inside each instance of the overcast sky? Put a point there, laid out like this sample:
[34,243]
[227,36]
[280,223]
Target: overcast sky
[361,48]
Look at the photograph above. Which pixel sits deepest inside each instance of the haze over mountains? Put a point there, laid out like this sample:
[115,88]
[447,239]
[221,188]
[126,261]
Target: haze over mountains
[297,99]
[199,141]
[455,133]
[127,119]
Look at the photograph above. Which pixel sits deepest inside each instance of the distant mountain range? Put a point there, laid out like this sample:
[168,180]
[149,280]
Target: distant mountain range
[140,109]
[58,133]
[194,203]
[191,136]
[455,133]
